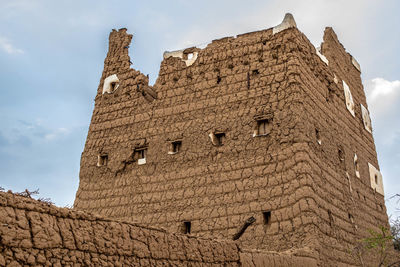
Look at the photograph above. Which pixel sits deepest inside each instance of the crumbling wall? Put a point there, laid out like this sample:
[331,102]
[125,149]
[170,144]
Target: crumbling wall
[37,234]
[233,83]
[264,130]
[340,149]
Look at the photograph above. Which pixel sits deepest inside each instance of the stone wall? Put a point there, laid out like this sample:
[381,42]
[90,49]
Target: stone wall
[33,233]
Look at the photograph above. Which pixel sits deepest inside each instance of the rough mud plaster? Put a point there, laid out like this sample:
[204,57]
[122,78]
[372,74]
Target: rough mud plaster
[353,205]
[232,83]
[33,233]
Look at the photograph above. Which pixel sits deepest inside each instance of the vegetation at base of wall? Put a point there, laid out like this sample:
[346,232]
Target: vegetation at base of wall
[376,249]
[395,230]
[395,226]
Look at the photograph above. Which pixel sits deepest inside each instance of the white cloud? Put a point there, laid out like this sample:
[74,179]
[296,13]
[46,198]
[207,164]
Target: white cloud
[6,45]
[56,133]
[311,17]
[383,88]
[21,4]
[383,97]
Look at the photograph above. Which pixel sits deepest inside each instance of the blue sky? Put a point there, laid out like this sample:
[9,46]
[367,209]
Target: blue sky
[52,54]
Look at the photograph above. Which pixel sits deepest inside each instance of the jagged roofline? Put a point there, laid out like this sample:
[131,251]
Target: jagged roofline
[189,55]
[109,83]
[288,22]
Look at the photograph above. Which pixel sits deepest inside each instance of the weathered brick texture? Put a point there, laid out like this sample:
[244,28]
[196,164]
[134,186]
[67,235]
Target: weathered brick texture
[295,173]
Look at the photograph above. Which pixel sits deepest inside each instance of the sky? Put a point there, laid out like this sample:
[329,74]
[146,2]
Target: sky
[52,54]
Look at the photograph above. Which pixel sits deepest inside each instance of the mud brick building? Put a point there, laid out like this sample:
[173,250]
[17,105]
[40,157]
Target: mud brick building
[260,125]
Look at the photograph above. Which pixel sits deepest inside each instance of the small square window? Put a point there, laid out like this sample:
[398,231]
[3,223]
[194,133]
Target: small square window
[220,138]
[140,155]
[263,127]
[175,147]
[187,227]
[267,217]
[102,160]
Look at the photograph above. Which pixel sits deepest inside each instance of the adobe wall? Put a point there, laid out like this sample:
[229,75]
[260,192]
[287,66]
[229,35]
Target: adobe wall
[314,196]
[232,82]
[33,233]
[346,205]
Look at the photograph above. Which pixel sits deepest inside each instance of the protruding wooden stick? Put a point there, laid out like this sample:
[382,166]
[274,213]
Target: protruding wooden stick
[246,224]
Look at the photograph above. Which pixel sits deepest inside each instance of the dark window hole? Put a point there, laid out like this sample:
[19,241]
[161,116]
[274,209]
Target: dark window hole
[220,138]
[264,127]
[175,147]
[187,227]
[113,85]
[102,160]
[267,217]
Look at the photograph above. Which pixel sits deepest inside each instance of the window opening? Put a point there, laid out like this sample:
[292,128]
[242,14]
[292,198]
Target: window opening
[187,227]
[263,127]
[318,136]
[175,147]
[351,218]
[140,155]
[356,166]
[220,138]
[267,217]
[113,84]
[102,160]
[341,154]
